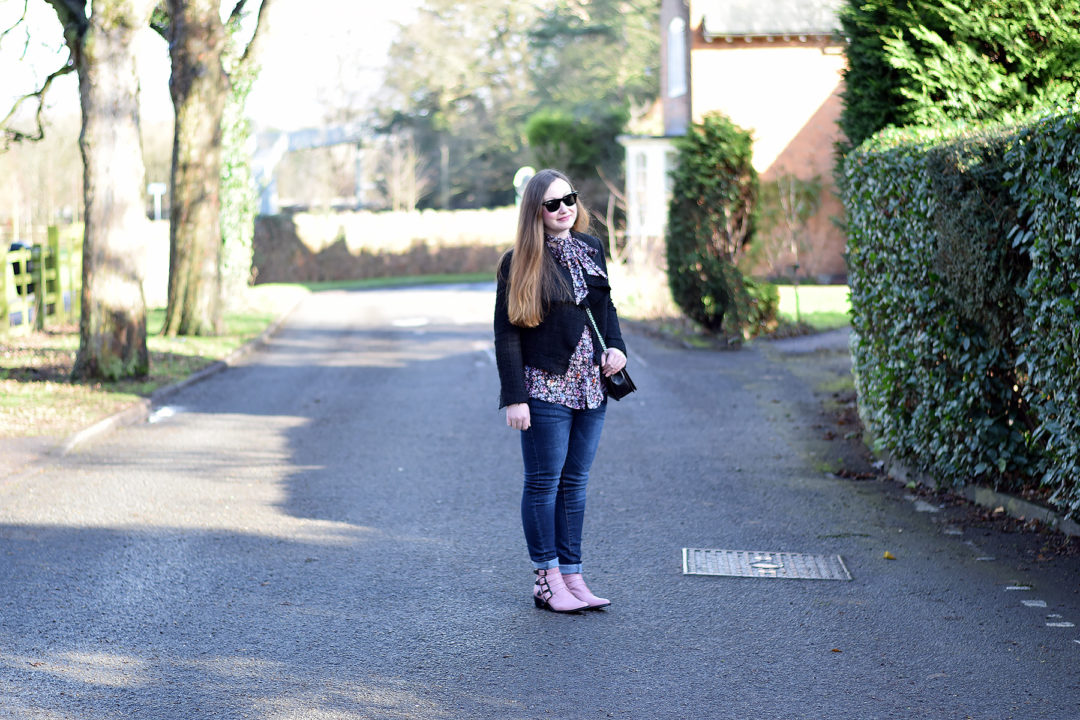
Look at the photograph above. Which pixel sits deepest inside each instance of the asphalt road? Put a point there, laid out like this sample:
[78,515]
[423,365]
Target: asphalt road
[330,530]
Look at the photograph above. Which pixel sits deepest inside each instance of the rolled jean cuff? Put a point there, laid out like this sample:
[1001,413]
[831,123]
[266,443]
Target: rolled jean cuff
[567,569]
[545,565]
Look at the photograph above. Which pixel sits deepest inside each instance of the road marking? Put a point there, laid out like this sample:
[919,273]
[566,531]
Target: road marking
[487,348]
[1034,603]
[1060,624]
[410,322]
[163,413]
[1018,587]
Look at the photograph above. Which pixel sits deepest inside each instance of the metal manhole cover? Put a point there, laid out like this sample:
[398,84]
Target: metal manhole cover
[749,563]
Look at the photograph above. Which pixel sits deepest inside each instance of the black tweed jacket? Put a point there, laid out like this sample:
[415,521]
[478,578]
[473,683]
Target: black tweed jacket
[549,345]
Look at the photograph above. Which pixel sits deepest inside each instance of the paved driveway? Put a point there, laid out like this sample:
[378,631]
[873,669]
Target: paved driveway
[330,530]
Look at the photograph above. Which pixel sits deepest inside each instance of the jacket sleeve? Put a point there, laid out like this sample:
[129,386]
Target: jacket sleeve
[508,355]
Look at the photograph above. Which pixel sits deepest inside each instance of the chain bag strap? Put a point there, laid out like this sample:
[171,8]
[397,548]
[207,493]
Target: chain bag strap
[619,385]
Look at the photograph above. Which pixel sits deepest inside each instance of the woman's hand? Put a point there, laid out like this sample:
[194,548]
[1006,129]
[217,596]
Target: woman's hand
[612,361]
[517,416]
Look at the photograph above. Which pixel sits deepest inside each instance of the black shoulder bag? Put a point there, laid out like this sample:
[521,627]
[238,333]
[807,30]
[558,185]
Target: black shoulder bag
[619,385]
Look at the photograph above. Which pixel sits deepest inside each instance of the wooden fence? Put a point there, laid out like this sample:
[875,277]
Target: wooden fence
[42,283]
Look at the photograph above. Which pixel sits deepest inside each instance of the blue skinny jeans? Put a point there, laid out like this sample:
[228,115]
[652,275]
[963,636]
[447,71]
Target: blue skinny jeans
[557,450]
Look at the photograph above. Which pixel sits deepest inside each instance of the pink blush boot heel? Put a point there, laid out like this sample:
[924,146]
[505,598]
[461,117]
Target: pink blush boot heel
[550,593]
[576,585]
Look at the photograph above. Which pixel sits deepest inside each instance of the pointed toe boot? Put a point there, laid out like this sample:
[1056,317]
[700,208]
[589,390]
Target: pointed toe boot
[550,593]
[576,585]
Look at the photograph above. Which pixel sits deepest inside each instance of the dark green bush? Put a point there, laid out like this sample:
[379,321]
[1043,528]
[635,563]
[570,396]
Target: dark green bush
[1045,179]
[956,241]
[584,147]
[871,92]
[973,217]
[922,397]
[932,61]
[710,221]
[763,307]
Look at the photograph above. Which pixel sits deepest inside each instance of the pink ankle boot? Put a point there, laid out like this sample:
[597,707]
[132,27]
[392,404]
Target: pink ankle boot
[550,593]
[576,585]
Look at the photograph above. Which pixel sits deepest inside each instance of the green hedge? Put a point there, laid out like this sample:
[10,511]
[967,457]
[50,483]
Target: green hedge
[965,324]
[1045,175]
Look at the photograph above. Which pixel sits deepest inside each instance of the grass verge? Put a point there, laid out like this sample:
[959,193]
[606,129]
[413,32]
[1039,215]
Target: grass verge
[39,399]
[804,310]
[821,307]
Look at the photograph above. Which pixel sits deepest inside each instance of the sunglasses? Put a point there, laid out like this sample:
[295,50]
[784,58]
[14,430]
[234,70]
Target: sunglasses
[553,205]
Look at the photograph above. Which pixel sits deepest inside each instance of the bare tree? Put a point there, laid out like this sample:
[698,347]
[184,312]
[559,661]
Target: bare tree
[787,204]
[41,182]
[406,174]
[100,41]
[11,129]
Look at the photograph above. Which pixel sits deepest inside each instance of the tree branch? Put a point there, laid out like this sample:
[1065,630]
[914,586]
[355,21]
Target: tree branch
[17,23]
[160,20]
[252,50]
[10,136]
[237,12]
[72,14]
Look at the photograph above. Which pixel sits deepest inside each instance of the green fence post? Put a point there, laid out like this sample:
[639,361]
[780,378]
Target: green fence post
[55,298]
[74,239]
[58,260]
[37,253]
[5,317]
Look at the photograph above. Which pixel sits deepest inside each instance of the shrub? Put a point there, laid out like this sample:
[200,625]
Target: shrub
[871,93]
[710,222]
[963,253]
[1045,179]
[763,307]
[936,61]
[584,147]
[934,386]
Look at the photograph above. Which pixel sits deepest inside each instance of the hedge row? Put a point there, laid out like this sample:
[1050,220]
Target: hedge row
[964,264]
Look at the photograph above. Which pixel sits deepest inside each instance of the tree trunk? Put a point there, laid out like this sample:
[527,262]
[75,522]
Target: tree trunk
[199,88]
[112,328]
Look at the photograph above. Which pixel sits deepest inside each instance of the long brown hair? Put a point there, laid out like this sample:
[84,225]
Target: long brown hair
[533,275]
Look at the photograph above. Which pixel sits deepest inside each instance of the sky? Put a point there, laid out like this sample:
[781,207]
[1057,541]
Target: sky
[317,46]
[315,51]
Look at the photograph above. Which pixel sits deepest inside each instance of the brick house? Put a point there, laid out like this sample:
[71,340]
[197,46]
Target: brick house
[772,66]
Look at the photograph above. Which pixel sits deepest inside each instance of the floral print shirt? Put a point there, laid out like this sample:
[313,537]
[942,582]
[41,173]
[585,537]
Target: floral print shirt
[581,387]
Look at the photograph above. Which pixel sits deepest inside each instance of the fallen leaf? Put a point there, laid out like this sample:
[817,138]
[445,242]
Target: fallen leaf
[837,650]
[888,555]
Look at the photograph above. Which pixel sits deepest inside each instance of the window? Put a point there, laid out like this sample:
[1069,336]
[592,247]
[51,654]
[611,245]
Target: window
[676,58]
[641,189]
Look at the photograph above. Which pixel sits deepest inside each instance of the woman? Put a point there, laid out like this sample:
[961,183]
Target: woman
[550,364]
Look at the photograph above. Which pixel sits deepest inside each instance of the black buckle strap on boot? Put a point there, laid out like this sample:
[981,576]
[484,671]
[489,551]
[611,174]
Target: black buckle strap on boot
[542,584]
